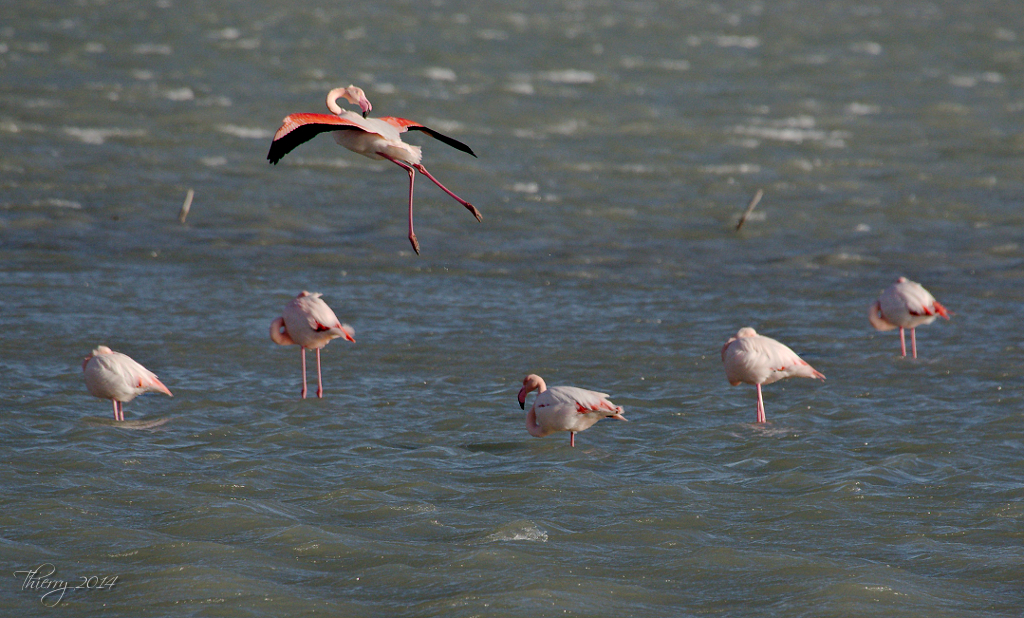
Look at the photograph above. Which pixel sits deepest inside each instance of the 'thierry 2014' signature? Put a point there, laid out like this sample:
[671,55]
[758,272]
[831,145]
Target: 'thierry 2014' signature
[40,579]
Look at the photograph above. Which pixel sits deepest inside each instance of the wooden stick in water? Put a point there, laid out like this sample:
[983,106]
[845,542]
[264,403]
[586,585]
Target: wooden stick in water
[753,203]
[186,206]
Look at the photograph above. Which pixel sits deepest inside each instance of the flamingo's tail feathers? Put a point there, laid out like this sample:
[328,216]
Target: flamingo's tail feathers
[348,333]
[939,309]
[155,385]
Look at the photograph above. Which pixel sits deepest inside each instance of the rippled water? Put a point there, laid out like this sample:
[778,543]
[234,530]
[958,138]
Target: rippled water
[617,143]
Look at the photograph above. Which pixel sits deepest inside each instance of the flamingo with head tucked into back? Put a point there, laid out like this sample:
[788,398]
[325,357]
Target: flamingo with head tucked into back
[756,359]
[308,322]
[375,138]
[905,304]
[564,408]
[115,376]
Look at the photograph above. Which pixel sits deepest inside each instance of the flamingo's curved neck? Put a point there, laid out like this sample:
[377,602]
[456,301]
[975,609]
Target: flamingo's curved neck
[332,100]
[532,426]
[279,334]
[353,95]
[877,319]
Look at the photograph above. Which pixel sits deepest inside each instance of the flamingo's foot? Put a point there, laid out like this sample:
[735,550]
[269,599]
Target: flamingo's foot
[476,213]
[415,243]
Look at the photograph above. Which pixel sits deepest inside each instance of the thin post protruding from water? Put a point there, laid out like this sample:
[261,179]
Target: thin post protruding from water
[186,206]
[750,208]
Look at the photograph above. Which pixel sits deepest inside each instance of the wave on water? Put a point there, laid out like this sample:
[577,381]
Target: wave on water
[569,76]
[153,48]
[521,530]
[245,132]
[795,130]
[149,423]
[99,136]
[180,94]
[440,74]
[58,203]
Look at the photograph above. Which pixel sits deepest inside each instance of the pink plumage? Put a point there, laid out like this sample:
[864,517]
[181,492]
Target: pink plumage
[905,304]
[754,359]
[308,322]
[115,376]
[375,138]
[564,408]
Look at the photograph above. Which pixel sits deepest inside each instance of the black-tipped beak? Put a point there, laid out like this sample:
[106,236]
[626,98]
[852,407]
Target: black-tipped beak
[522,405]
[364,114]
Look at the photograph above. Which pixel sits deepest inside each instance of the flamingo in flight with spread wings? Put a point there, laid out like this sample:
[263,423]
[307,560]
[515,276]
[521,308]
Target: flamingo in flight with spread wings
[375,138]
[756,359]
[905,304]
[308,322]
[115,376]
[564,408]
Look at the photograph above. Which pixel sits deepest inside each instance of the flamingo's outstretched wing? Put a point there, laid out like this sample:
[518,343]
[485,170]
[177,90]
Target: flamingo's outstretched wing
[298,129]
[404,124]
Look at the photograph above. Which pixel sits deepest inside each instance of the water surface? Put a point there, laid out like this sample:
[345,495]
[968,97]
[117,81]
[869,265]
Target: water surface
[617,145]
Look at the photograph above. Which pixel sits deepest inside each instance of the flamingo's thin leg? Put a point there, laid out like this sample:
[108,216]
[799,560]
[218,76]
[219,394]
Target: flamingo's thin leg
[303,351]
[412,178]
[472,209]
[319,377]
[903,342]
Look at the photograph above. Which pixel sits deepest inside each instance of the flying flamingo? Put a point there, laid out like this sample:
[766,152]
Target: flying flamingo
[115,376]
[564,408]
[375,138]
[309,323]
[758,360]
[905,304]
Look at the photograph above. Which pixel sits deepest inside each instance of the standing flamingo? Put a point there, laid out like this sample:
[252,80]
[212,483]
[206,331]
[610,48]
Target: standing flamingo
[758,360]
[115,376]
[309,323]
[375,138]
[564,408]
[905,304]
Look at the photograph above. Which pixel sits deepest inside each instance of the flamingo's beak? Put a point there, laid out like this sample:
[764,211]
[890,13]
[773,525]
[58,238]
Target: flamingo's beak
[522,398]
[364,104]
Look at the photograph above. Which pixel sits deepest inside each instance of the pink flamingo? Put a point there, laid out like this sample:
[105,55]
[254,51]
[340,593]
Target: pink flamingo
[309,323]
[375,138]
[758,360]
[905,304]
[564,408]
[115,376]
